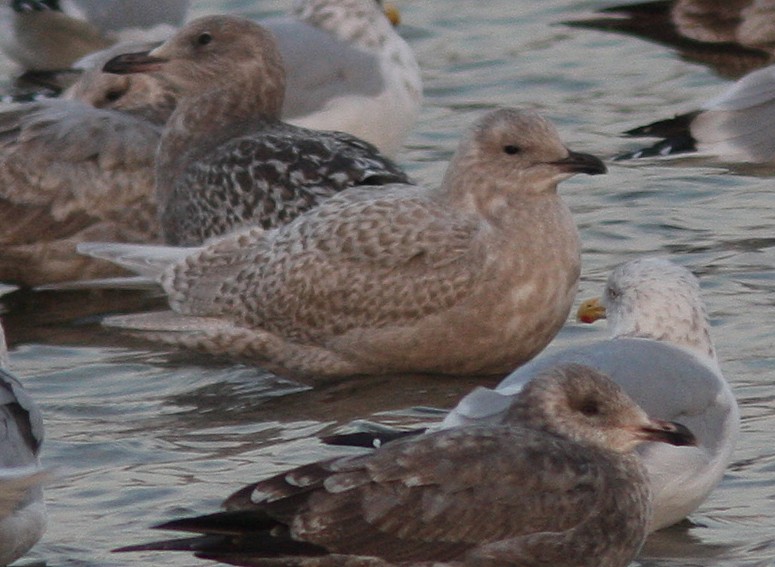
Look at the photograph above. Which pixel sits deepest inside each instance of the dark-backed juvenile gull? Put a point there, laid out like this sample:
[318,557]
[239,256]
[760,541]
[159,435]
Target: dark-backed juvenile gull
[662,355]
[558,484]
[226,160]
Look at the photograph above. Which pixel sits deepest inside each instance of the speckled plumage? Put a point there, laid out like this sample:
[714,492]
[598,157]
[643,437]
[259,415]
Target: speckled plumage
[662,355]
[268,179]
[225,158]
[558,486]
[474,277]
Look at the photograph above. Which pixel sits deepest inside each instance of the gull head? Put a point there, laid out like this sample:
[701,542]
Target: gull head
[140,95]
[515,152]
[214,52]
[654,298]
[579,403]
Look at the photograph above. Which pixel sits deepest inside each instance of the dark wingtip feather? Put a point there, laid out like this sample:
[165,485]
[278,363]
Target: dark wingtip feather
[369,439]
[672,146]
[191,544]
[670,128]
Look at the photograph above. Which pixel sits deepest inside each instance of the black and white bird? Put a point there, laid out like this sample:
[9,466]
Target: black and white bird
[736,126]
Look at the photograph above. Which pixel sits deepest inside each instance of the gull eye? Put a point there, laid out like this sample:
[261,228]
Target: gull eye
[590,408]
[204,38]
[611,293]
[114,95]
[511,149]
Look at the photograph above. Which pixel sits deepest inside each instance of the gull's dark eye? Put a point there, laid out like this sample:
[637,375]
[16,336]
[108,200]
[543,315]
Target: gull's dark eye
[114,95]
[611,293]
[204,38]
[511,150]
[590,408]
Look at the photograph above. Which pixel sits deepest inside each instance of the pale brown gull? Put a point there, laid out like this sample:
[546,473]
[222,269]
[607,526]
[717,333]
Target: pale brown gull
[225,159]
[77,169]
[473,277]
[559,485]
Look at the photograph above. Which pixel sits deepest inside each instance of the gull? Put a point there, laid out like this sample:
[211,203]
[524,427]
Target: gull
[78,168]
[44,35]
[734,127]
[70,172]
[661,353]
[734,37]
[22,510]
[349,70]
[557,485]
[225,159]
[473,277]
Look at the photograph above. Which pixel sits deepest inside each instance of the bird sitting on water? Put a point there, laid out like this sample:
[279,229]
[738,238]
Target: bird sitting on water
[733,37]
[661,353]
[347,68]
[225,159]
[44,35]
[473,277]
[82,169]
[556,484]
[22,510]
[78,168]
[733,127]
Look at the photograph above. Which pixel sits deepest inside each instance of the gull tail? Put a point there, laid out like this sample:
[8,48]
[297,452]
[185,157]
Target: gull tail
[146,260]
[235,537]
[142,259]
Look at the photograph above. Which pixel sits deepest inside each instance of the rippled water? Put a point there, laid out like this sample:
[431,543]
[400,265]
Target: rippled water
[144,435]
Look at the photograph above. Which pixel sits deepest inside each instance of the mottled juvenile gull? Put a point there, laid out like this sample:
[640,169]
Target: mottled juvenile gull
[53,34]
[78,169]
[662,355]
[22,511]
[474,277]
[225,159]
[733,37]
[348,70]
[558,483]
[736,126]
